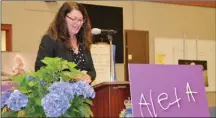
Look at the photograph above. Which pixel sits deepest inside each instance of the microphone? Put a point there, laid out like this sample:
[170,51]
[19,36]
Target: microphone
[96,31]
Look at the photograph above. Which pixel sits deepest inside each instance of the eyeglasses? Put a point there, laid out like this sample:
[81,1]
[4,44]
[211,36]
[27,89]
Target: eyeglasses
[75,20]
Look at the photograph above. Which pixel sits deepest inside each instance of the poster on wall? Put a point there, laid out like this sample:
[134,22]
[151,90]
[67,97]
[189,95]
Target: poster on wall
[167,91]
[168,51]
[13,64]
[171,50]
[203,63]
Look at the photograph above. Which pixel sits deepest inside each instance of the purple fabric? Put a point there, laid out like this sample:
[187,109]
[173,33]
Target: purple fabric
[9,86]
[6,87]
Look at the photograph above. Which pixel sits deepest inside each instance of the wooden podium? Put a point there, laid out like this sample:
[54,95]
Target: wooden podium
[109,100]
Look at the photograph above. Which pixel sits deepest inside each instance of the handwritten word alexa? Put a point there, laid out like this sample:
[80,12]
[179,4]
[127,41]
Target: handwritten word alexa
[163,97]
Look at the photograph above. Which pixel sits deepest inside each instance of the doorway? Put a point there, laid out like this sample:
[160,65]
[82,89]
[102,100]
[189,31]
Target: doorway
[136,48]
[6,31]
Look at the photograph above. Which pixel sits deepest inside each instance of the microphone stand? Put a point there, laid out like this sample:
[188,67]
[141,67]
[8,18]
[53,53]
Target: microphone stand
[110,38]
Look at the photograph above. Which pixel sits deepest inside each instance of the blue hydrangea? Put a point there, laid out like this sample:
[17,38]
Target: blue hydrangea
[4,97]
[82,88]
[128,112]
[30,78]
[90,93]
[55,105]
[63,88]
[16,101]
[42,82]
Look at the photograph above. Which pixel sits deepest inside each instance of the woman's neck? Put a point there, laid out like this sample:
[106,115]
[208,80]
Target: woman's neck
[74,45]
[73,41]
[72,37]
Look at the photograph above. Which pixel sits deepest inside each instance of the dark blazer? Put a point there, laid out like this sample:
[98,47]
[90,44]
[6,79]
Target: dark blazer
[55,48]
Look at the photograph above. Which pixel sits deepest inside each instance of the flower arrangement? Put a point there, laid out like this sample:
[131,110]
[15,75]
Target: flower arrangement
[52,91]
[127,112]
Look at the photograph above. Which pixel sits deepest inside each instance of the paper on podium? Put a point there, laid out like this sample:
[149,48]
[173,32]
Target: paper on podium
[101,59]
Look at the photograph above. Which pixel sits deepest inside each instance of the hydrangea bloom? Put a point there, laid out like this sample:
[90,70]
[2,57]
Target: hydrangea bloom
[42,82]
[55,105]
[16,101]
[128,112]
[4,97]
[63,88]
[83,88]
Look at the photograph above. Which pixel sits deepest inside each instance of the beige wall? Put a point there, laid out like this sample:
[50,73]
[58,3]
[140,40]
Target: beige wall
[30,19]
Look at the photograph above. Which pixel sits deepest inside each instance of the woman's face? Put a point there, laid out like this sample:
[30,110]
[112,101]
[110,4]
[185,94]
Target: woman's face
[74,21]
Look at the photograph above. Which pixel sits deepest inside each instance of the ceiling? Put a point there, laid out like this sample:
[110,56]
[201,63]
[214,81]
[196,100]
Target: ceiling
[210,4]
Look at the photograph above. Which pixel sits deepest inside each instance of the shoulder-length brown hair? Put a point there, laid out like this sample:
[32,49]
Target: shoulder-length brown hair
[58,29]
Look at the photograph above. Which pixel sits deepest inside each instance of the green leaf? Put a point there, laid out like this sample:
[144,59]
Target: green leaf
[66,75]
[31,83]
[69,64]
[50,60]
[67,115]
[83,111]
[23,83]
[75,71]
[72,112]
[34,111]
[38,101]
[89,111]
[34,98]
[24,87]
[39,111]
[75,113]
[88,101]
[10,114]
[52,67]
[29,110]
[86,110]
[76,110]
[24,90]
[33,74]
[19,78]
[64,65]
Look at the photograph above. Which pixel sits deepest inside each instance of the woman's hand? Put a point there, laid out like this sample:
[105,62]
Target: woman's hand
[84,77]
